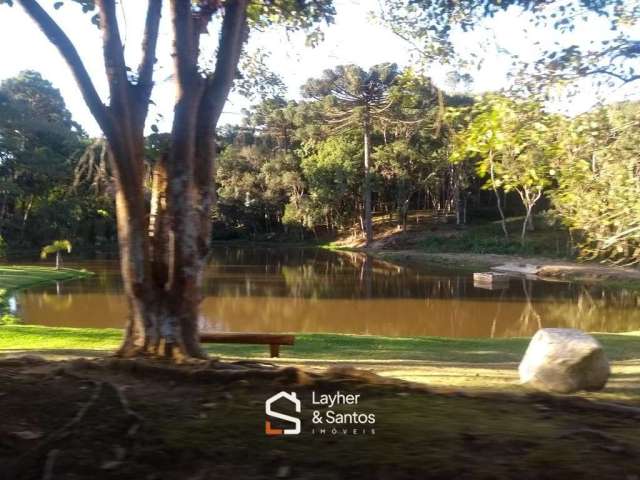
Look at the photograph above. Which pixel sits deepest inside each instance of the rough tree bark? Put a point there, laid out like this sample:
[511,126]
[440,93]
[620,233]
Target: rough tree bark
[164,245]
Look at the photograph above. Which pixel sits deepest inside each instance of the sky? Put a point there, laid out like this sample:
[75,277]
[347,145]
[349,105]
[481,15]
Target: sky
[355,37]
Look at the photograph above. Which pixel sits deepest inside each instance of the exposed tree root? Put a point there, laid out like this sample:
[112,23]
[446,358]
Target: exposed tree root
[135,419]
[195,430]
[47,473]
[101,389]
[208,371]
[161,351]
[27,459]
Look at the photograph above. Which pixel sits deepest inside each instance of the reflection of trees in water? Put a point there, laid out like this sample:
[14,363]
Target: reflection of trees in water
[419,302]
[529,312]
[607,312]
[59,302]
[497,315]
[317,274]
[592,309]
[211,323]
[366,277]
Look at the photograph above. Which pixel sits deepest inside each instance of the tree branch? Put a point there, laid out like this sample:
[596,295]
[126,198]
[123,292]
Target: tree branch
[114,59]
[185,51]
[145,69]
[232,37]
[127,140]
[61,41]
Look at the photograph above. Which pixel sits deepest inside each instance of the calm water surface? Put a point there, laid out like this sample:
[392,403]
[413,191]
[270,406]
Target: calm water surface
[312,290]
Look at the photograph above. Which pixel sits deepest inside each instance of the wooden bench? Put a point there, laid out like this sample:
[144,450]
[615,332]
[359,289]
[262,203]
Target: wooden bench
[274,340]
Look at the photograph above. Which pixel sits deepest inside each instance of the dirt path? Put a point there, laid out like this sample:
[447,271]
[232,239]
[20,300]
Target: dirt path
[623,385]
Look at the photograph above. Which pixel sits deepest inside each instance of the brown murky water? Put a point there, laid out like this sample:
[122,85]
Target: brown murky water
[312,290]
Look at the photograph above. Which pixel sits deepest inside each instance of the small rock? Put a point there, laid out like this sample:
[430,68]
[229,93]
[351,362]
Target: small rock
[613,448]
[277,453]
[28,435]
[133,429]
[564,360]
[541,407]
[120,452]
[111,465]
[209,405]
[284,471]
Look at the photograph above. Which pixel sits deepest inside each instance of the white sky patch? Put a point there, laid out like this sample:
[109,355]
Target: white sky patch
[354,38]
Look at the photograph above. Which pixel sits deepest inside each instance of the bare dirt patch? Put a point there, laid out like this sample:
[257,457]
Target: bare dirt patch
[107,419]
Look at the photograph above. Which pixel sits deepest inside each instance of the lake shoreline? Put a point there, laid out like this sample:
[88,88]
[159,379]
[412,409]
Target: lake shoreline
[545,268]
[18,277]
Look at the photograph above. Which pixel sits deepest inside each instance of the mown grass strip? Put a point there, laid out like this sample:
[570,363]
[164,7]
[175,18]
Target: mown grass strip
[18,277]
[320,346]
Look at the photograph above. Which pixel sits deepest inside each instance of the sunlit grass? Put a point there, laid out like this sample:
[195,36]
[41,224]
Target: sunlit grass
[16,277]
[322,346]
[469,364]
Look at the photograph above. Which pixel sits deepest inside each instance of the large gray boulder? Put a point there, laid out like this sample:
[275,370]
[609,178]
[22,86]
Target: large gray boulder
[564,360]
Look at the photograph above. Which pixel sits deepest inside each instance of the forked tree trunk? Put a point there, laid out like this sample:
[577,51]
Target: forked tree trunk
[529,200]
[503,220]
[163,249]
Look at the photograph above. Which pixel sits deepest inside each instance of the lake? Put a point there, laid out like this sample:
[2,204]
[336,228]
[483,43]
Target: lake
[315,290]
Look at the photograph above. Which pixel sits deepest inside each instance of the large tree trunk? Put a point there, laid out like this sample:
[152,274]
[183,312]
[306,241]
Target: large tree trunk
[156,284]
[164,246]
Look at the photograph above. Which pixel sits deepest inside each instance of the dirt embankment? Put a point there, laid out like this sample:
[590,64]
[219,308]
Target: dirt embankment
[544,268]
[408,248]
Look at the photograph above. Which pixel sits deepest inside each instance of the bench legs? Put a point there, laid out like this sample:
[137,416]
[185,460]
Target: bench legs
[275,350]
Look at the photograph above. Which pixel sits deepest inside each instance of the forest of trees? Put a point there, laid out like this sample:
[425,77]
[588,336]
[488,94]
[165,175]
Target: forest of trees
[296,169]
[40,147]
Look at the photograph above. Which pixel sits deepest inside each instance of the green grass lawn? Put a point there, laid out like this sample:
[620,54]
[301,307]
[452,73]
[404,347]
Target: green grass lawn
[547,240]
[469,364]
[318,346]
[17,277]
